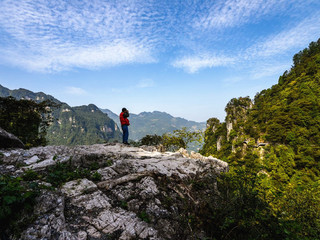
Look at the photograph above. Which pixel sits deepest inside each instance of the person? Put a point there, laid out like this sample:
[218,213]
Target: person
[124,125]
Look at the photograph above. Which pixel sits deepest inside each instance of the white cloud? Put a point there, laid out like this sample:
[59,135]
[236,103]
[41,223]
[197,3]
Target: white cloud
[232,13]
[195,63]
[269,70]
[296,37]
[75,91]
[58,35]
[67,57]
[233,80]
[125,90]
[145,83]
[293,39]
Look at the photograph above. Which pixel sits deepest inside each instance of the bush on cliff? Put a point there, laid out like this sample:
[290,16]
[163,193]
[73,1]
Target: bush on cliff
[285,168]
[26,119]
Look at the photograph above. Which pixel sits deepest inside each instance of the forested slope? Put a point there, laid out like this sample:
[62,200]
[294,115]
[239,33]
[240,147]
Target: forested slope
[71,125]
[273,147]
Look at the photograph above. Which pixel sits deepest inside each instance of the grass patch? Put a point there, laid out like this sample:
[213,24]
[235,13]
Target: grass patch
[144,216]
[30,175]
[61,173]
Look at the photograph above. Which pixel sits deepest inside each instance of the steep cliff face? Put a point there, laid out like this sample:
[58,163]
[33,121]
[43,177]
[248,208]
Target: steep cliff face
[287,115]
[237,114]
[272,146]
[82,125]
[128,193]
[229,136]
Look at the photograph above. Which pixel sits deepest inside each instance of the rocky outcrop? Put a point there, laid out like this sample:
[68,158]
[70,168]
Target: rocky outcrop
[237,134]
[8,140]
[140,193]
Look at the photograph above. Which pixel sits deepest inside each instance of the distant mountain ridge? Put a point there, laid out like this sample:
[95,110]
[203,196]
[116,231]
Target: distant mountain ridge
[72,125]
[22,93]
[89,124]
[156,122]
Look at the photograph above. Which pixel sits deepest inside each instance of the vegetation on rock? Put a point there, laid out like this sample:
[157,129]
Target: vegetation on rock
[272,146]
[71,125]
[272,190]
[82,125]
[26,119]
[181,138]
[17,199]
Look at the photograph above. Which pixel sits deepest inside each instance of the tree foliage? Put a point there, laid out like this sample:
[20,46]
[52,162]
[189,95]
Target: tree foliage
[151,140]
[272,147]
[181,138]
[26,119]
[16,199]
[82,125]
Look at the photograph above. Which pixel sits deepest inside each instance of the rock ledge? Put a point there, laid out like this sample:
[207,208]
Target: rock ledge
[138,197]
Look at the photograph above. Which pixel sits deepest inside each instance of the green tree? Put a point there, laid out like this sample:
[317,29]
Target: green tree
[181,138]
[272,148]
[26,119]
[151,140]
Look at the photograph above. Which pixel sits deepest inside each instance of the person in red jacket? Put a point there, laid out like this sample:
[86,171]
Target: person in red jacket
[124,125]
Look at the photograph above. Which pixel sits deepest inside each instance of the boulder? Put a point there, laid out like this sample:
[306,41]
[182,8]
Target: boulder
[8,140]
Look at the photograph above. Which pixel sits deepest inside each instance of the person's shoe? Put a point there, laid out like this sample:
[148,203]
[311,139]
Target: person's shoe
[126,143]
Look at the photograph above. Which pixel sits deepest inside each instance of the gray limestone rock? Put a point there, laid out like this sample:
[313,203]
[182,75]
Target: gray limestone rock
[8,140]
[140,194]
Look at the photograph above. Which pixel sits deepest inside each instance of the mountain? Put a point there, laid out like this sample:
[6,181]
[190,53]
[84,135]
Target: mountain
[72,125]
[272,146]
[112,115]
[286,114]
[26,94]
[89,124]
[150,123]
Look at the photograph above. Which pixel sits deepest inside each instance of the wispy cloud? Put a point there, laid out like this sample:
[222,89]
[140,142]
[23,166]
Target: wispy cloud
[195,63]
[233,80]
[232,13]
[268,70]
[58,35]
[75,91]
[64,58]
[295,37]
[145,83]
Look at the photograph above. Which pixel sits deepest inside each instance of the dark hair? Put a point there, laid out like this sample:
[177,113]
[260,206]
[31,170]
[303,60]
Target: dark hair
[124,109]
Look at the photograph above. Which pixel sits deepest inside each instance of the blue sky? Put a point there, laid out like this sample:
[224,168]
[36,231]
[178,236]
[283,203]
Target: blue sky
[187,58]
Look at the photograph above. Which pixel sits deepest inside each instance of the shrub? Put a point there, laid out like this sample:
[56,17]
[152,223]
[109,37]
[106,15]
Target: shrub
[26,119]
[61,173]
[16,198]
[151,140]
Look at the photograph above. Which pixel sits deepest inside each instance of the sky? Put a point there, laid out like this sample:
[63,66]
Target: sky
[186,58]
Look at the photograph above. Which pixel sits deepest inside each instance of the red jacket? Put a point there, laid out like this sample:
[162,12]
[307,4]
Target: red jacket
[123,120]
